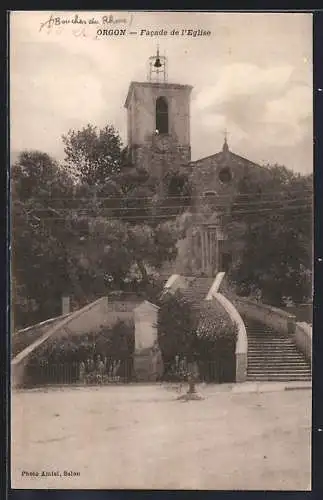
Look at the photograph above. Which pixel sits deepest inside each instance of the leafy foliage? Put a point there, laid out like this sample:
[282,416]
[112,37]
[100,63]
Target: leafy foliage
[199,332]
[106,347]
[84,228]
[275,232]
[94,156]
[40,259]
[116,342]
[177,326]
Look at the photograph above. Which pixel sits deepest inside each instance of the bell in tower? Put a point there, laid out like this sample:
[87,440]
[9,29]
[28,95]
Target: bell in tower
[158,119]
[157,63]
[157,68]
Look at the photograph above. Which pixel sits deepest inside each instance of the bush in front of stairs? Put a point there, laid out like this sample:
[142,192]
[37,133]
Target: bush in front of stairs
[217,336]
[176,327]
[196,331]
[90,357]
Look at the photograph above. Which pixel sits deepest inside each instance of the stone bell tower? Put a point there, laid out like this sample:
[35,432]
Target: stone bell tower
[158,119]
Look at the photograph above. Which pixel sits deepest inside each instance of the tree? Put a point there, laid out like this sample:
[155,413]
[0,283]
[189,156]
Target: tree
[271,218]
[36,177]
[133,232]
[121,249]
[177,326]
[94,156]
[89,226]
[40,261]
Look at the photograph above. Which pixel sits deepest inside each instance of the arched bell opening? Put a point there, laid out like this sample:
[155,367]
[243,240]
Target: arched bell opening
[162,115]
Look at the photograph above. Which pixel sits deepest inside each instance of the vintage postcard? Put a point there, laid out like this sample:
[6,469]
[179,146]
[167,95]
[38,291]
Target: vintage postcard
[161,194]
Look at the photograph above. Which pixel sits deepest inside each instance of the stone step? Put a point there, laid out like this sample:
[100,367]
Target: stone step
[278,374]
[269,338]
[275,370]
[271,345]
[268,335]
[278,365]
[275,348]
[275,355]
[288,356]
[278,379]
[263,331]
[282,374]
[276,359]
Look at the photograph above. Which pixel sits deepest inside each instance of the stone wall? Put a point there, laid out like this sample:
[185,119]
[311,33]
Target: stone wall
[303,339]
[158,160]
[147,357]
[242,340]
[88,318]
[176,282]
[145,316]
[141,106]
[285,323]
[270,316]
[214,195]
[25,337]
[206,175]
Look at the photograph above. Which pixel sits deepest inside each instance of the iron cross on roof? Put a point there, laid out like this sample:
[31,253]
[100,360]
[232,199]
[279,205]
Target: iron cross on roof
[225,144]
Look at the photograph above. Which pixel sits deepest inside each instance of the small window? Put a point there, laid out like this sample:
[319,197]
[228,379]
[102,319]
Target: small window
[161,116]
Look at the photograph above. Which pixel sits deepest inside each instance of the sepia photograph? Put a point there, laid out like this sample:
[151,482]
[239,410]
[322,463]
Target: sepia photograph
[161,205]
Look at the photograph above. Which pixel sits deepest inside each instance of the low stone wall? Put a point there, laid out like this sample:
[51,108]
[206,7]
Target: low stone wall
[303,339]
[44,324]
[176,282]
[242,340]
[89,318]
[215,285]
[21,339]
[270,316]
[280,320]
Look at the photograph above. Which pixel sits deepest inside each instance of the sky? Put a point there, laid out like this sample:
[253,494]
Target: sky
[251,76]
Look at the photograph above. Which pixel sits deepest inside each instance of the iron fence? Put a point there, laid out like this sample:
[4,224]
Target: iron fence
[48,373]
[41,372]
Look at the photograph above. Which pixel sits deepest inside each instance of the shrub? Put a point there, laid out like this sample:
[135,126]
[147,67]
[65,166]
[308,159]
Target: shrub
[110,345]
[197,331]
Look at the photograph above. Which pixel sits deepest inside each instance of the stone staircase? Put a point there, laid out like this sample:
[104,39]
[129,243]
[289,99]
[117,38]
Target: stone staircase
[272,356]
[198,289]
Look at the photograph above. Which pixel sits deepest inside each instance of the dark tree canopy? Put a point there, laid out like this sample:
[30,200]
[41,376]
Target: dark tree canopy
[84,228]
[94,155]
[271,217]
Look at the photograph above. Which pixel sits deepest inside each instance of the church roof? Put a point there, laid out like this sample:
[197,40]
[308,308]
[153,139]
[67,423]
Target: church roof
[226,156]
[164,85]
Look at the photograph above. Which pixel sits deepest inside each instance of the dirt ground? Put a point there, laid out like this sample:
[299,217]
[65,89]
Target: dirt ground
[143,437]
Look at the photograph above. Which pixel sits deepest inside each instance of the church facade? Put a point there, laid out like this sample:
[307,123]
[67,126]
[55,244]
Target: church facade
[158,130]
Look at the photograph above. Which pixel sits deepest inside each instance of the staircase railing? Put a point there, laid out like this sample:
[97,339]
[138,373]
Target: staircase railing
[281,321]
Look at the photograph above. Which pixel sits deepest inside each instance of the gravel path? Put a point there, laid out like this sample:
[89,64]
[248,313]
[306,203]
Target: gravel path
[143,437]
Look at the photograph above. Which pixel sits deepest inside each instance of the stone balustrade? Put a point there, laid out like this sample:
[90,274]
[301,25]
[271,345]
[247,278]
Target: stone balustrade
[279,320]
